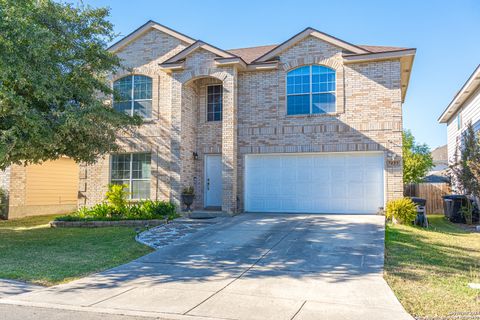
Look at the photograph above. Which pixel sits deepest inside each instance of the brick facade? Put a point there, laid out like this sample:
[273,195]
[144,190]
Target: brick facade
[368,117]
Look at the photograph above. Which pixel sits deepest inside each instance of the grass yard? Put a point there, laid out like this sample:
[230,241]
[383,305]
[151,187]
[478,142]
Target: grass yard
[32,251]
[429,269]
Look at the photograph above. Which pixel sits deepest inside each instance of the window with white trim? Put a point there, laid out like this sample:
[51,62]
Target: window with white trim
[214,102]
[132,169]
[134,95]
[311,90]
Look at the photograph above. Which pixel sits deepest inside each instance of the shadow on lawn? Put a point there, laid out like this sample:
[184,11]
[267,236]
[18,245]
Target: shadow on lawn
[414,253]
[256,246]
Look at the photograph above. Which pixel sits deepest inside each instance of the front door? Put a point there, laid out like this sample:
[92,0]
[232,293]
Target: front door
[213,181]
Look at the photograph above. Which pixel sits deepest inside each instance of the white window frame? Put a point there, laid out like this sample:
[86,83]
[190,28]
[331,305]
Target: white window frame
[311,93]
[131,179]
[206,102]
[132,105]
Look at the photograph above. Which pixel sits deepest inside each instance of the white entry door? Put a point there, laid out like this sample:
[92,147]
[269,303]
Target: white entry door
[213,180]
[315,182]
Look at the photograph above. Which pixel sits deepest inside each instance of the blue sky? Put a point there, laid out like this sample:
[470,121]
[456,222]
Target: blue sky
[445,33]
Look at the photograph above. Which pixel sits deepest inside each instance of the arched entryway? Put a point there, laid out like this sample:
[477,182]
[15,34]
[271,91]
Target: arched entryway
[201,136]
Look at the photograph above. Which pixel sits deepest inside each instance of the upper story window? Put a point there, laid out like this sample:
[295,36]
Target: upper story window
[459,121]
[135,95]
[214,102]
[311,90]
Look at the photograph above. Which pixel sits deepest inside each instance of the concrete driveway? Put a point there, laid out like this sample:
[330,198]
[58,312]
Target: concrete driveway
[251,266]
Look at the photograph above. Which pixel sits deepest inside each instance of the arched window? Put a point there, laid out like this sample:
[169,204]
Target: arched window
[135,95]
[311,90]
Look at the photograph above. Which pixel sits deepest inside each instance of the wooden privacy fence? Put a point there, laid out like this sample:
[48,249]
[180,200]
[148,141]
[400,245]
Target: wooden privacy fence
[433,192]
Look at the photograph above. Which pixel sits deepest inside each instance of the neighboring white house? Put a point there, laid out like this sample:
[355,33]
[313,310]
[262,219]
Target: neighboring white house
[462,110]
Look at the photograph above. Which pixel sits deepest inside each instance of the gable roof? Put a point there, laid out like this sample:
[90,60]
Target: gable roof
[199,45]
[472,84]
[249,55]
[149,25]
[310,32]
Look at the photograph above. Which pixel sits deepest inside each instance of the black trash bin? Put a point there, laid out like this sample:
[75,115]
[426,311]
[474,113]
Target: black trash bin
[447,206]
[419,201]
[421,219]
[452,205]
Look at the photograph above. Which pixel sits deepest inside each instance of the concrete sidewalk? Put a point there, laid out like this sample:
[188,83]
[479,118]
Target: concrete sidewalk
[251,266]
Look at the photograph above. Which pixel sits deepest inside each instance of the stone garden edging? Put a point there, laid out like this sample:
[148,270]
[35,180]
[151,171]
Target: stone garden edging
[100,224]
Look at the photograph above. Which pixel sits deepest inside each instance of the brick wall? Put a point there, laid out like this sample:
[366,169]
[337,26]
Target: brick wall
[142,56]
[368,117]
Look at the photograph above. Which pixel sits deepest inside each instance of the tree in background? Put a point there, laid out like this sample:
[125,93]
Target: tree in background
[53,74]
[417,159]
[466,169]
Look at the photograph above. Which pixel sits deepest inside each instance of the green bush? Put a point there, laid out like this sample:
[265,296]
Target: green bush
[116,196]
[3,203]
[402,210]
[143,210]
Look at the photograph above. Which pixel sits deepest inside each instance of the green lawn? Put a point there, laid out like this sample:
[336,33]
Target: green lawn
[429,269]
[32,251]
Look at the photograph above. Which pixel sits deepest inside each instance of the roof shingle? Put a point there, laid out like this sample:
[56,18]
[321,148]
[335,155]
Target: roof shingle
[251,53]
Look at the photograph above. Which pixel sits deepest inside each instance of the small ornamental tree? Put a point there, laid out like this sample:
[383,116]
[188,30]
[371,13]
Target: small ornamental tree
[417,159]
[466,169]
[54,70]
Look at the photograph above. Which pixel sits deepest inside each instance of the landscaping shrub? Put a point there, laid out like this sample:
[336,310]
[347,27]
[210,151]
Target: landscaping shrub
[116,207]
[116,196]
[3,203]
[402,210]
[143,210]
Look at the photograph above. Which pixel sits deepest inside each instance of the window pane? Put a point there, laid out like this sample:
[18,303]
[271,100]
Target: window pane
[141,166]
[142,87]
[120,182]
[143,108]
[123,87]
[214,103]
[323,79]
[298,80]
[120,167]
[299,104]
[140,189]
[323,103]
[125,107]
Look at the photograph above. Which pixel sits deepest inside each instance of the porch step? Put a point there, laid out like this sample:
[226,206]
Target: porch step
[207,214]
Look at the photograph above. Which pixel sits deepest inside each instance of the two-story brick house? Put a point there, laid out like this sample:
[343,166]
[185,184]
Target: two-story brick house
[310,125]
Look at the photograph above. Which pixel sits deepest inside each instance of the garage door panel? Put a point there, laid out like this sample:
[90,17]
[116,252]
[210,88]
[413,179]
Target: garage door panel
[314,183]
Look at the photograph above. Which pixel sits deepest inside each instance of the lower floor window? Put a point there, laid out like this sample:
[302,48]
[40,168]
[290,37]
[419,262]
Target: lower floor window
[132,169]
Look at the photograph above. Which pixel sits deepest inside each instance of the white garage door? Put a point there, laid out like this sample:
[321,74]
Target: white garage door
[314,183]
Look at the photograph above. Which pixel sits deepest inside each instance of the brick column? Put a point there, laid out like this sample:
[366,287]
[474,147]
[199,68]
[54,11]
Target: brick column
[175,143]
[229,143]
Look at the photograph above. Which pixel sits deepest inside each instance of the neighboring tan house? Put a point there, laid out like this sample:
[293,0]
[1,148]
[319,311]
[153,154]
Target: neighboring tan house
[47,188]
[462,110]
[313,124]
[439,172]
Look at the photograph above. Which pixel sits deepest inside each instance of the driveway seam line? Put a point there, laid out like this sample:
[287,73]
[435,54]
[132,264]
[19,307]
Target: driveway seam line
[298,311]
[239,276]
[114,296]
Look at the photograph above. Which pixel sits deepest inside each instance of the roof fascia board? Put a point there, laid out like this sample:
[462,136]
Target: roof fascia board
[145,28]
[200,44]
[263,66]
[355,58]
[169,67]
[224,62]
[468,87]
[406,64]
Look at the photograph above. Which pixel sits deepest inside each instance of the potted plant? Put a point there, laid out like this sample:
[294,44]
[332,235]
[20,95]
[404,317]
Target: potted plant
[188,194]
